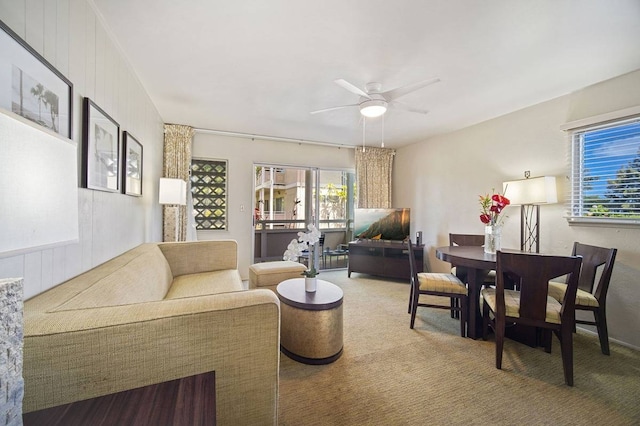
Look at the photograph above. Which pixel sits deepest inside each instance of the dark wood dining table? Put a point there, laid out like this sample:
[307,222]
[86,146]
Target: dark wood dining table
[475,264]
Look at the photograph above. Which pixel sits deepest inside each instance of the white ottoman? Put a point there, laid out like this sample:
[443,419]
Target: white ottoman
[270,274]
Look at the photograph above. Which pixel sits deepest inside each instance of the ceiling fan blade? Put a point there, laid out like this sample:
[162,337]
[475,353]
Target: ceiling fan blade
[392,94]
[399,105]
[350,87]
[332,108]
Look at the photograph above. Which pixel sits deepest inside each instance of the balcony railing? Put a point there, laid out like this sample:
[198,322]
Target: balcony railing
[279,222]
[273,236]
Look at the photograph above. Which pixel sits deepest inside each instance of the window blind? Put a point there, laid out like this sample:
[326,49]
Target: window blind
[605,180]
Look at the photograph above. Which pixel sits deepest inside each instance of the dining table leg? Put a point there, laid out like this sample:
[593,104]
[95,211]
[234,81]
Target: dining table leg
[475,279]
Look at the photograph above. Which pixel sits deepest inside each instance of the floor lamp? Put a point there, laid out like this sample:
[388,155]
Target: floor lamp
[173,194]
[529,194]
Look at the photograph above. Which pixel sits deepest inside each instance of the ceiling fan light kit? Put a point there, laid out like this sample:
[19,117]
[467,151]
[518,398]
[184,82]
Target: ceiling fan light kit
[373,108]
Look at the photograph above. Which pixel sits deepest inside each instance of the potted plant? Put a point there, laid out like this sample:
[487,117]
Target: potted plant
[305,241]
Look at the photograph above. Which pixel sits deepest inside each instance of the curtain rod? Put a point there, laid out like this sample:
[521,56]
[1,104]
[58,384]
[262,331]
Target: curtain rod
[276,138]
[270,138]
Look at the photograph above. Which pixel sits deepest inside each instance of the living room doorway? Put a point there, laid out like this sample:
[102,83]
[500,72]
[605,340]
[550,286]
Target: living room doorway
[288,198]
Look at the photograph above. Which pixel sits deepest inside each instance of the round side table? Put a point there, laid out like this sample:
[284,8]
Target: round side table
[311,323]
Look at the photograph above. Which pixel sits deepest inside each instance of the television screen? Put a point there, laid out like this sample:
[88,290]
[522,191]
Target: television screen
[382,224]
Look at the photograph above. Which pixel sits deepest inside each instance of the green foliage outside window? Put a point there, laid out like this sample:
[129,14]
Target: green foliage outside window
[606,171]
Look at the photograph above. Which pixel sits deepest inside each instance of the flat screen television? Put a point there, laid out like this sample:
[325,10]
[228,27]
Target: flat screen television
[382,224]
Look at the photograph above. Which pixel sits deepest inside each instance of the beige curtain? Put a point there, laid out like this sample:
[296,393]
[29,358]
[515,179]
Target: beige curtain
[373,172]
[177,163]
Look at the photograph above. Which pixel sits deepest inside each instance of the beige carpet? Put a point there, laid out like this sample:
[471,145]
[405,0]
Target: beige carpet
[392,375]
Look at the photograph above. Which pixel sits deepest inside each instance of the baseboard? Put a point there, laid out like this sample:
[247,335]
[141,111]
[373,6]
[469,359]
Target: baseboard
[619,342]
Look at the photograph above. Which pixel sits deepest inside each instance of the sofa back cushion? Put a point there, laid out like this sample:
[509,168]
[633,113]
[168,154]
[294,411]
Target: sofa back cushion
[144,277]
[195,257]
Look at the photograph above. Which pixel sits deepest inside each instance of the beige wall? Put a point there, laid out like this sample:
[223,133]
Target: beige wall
[71,37]
[241,155]
[441,179]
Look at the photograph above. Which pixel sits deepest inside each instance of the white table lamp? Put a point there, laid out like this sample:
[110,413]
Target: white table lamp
[529,194]
[173,194]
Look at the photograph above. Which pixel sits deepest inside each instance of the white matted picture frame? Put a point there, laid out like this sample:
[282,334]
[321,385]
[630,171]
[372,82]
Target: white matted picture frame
[31,87]
[132,167]
[101,155]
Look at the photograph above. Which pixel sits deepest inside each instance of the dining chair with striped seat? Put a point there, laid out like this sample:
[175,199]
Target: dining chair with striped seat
[531,305]
[475,240]
[591,296]
[436,284]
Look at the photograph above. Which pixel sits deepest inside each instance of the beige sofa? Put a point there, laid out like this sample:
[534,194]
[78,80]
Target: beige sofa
[155,313]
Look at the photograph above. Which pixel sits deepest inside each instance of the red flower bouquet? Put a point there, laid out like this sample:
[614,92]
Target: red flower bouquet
[491,207]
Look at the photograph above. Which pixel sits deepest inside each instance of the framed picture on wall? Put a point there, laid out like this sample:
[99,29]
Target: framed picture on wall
[132,168]
[31,87]
[100,149]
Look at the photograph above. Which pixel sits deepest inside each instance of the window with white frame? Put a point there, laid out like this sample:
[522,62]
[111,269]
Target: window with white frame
[605,181]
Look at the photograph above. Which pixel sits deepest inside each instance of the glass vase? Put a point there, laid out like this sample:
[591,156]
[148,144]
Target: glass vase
[492,238]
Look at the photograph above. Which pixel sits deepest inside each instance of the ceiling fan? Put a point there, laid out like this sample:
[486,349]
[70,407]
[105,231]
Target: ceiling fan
[374,102]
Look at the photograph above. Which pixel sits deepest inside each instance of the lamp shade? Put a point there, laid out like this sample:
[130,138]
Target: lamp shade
[173,191]
[538,190]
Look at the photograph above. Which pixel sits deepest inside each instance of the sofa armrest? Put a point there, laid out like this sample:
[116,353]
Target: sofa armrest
[85,353]
[192,257]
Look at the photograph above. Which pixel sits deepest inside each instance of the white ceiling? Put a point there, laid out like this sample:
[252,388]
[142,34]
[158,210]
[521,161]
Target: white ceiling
[260,67]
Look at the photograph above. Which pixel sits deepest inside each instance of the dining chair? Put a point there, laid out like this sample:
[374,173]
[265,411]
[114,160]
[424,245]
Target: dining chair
[530,305]
[591,297]
[476,240]
[466,239]
[436,284]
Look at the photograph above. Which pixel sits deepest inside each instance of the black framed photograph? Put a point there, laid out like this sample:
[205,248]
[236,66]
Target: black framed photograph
[100,149]
[31,87]
[132,168]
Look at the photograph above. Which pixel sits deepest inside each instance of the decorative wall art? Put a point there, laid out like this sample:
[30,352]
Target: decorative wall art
[132,169]
[100,149]
[31,87]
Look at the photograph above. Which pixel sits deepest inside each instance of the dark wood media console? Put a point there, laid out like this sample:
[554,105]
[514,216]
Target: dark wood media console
[383,258]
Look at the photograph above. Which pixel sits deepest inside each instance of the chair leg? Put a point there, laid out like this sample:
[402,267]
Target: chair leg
[410,298]
[499,331]
[485,321]
[546,340]
[455,305]
[414,307]
[566,346]
[463,316]
[603,334]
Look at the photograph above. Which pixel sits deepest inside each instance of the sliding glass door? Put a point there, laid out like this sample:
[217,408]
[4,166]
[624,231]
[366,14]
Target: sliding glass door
[287,199]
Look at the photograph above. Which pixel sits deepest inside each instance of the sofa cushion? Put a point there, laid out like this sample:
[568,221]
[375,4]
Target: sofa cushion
[146,277]
[205,283]
[193,257]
